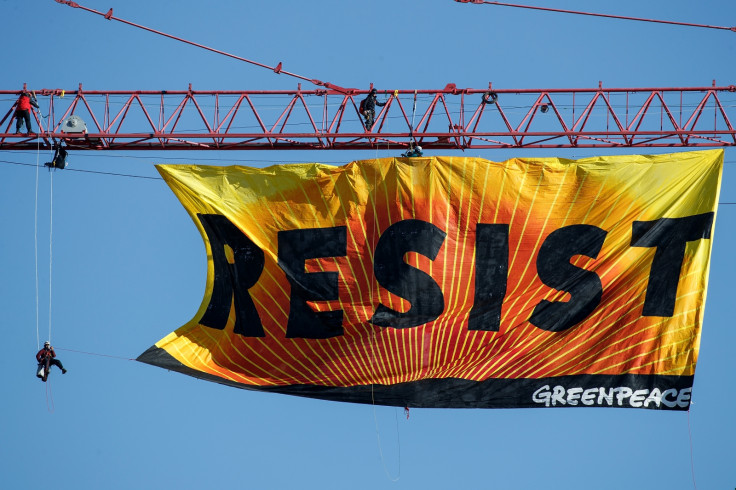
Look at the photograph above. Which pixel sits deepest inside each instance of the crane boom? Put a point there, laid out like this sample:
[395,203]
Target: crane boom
[325,119]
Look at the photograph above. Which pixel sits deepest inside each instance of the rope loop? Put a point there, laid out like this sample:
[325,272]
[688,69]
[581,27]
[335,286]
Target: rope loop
[490,97]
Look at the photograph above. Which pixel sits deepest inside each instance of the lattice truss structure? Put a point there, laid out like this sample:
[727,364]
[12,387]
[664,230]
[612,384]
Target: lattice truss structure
[450,118]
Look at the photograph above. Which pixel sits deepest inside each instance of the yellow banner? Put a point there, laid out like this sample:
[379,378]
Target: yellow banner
[448,281]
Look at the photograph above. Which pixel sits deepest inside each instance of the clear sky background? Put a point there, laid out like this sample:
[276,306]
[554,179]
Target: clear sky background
[129,266]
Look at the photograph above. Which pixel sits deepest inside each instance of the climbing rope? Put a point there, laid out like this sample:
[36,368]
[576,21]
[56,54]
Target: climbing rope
[413,110]
[690,436]
[49,397]
[51,243]
[35,245]
[373,342]
[95,354]
[35,233]
[380,449]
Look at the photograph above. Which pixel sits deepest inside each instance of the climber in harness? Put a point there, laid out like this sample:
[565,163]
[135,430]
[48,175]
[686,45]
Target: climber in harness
[414,150]
[59,160]
[23,111]
[368,108]
[46,357]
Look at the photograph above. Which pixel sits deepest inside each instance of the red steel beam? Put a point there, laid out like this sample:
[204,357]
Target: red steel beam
[450,118]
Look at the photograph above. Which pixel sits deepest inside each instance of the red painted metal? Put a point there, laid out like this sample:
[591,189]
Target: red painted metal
[325,119]
[593,14]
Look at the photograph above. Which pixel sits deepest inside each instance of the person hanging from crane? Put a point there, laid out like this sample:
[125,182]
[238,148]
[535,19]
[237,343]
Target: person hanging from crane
[23,111]
[368,108]
[414,150]
[59,160]
[48,354]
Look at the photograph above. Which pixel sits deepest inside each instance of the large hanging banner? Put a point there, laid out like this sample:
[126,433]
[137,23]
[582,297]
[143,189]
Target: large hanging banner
[453,282]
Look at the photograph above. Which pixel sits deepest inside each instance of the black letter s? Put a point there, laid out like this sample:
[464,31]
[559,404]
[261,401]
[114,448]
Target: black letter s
[555,270]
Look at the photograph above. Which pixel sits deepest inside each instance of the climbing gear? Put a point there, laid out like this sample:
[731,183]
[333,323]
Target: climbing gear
[490,97]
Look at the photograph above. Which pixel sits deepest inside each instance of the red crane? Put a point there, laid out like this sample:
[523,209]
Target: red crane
[329,118]
[326,119]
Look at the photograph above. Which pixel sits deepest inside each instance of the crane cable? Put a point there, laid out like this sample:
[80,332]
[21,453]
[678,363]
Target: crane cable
[276,69]
[609,16]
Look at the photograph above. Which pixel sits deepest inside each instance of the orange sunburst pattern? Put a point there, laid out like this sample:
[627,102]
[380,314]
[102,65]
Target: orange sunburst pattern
[449,196]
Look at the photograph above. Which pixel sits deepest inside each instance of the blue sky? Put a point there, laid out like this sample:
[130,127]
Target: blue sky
[128,265]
